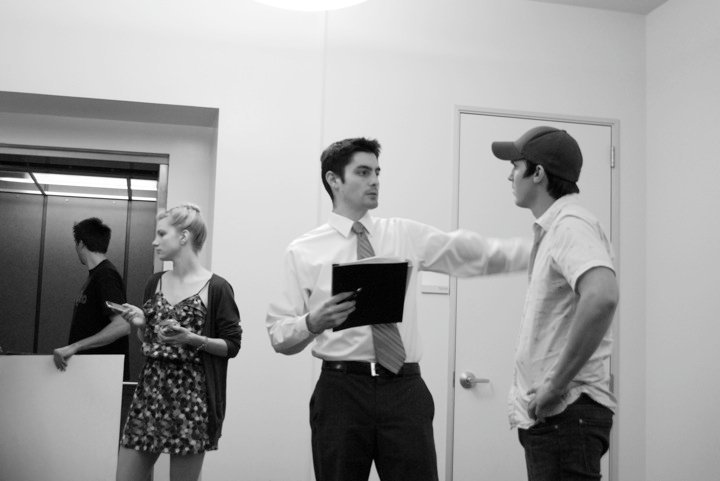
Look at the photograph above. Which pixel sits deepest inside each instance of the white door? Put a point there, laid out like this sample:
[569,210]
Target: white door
[488,309]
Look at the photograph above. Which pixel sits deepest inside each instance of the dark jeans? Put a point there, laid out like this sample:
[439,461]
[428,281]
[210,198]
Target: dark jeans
[569,446]
[357,419]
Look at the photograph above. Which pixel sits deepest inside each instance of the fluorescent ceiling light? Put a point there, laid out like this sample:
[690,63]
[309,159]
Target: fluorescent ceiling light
[20,177]
[82,181]
[310,5]
[80,185]
[142,184]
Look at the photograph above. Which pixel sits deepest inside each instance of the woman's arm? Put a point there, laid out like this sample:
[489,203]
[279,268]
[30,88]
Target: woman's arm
[226,317]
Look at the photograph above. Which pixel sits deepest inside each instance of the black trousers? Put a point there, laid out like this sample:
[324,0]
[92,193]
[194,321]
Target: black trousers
[357,419]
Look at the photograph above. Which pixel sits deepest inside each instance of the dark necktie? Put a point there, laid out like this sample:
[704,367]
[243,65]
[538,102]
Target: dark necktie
[389,350]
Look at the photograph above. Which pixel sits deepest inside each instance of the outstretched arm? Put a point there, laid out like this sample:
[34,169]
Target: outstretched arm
[464,253]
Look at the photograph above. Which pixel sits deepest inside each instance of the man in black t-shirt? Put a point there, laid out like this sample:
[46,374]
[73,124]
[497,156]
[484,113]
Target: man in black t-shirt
[95,328]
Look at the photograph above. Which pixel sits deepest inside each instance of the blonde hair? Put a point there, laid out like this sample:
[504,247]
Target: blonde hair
[187,217]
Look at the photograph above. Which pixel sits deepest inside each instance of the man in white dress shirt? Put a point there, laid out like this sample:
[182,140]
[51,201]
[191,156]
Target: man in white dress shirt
[560,400]
[362,411]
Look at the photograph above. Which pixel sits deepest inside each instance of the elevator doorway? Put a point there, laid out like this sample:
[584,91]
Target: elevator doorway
[43,192]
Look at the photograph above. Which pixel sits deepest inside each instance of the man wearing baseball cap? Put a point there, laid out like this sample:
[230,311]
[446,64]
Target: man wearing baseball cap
[560,399]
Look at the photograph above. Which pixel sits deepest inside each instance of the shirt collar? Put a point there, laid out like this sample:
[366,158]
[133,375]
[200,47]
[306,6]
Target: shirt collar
[344,225]
[99,264]
[546,220]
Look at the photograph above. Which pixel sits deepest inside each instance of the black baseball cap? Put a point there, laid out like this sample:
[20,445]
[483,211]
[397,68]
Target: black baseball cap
[552,148]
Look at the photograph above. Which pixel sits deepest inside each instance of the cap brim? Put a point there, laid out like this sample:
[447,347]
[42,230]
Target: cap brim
[506,151]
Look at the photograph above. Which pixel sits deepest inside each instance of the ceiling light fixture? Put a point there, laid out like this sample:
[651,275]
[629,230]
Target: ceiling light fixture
[51,184]
[310,5]
[82,181]
[142,184]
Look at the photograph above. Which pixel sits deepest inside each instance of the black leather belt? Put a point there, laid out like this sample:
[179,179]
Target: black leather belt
[370,368]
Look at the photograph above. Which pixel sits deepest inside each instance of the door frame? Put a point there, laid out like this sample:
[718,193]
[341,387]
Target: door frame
[614,235]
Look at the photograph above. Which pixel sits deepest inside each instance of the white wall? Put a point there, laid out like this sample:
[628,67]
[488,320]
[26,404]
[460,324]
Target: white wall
[683,226]
[391,69]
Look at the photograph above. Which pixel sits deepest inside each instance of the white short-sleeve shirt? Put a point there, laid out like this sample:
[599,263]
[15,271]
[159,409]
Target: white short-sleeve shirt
[569,241]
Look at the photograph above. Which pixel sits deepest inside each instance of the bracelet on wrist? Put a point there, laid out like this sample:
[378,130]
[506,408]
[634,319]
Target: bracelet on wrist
[203,345]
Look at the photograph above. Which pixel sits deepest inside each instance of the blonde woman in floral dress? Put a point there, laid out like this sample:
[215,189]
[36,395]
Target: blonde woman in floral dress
[189,326]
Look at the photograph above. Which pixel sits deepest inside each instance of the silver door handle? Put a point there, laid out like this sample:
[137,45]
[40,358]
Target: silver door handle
[468,380]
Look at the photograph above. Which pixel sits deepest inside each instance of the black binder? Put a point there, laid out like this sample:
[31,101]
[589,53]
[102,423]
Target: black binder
[382,283]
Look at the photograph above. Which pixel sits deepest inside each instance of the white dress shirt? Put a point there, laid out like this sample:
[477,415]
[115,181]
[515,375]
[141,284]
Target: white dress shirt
[308,276]
[569,241]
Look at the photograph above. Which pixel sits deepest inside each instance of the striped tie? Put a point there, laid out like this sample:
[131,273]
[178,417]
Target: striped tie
[389,350]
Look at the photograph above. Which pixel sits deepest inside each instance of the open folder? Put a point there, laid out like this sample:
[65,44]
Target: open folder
[382,282]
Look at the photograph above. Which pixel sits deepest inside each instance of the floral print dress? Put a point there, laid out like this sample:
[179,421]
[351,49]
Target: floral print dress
[169,410]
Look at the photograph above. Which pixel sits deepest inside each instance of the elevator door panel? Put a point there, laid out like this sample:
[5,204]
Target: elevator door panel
[21,221]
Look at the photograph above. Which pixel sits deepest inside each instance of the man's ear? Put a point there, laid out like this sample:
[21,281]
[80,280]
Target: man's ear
[539,174]
[332,178]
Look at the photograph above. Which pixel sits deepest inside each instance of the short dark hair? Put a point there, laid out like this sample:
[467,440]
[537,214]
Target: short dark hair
[556,186]
[93,233]
[338,155]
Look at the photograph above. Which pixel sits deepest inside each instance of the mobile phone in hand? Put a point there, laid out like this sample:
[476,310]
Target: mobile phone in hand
[115,306]
[169,327]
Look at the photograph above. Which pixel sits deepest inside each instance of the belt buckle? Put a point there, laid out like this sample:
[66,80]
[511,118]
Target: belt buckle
[373,370]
